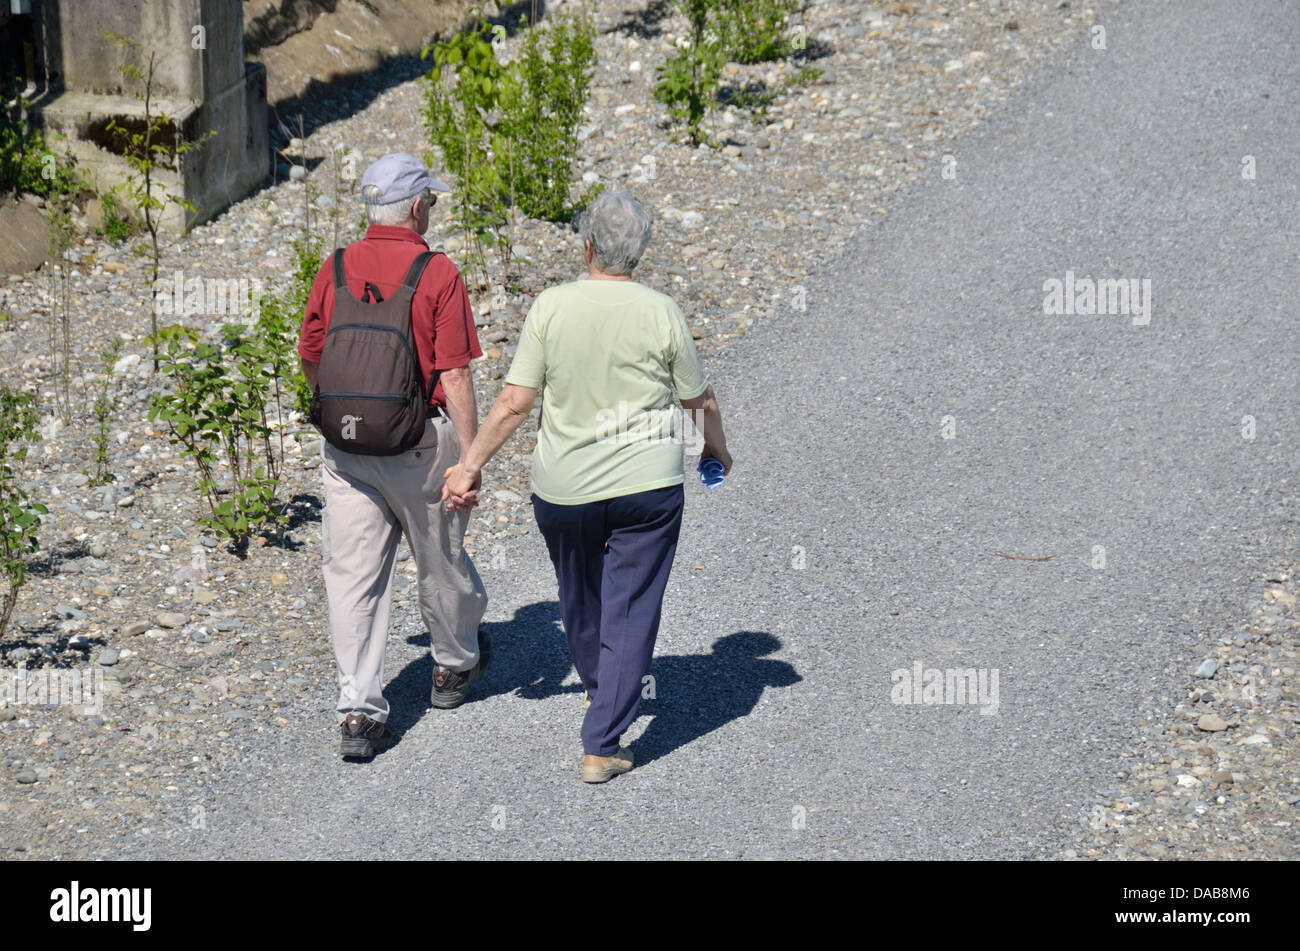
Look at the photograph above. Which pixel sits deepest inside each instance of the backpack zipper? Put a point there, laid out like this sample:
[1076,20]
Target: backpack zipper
[363,396]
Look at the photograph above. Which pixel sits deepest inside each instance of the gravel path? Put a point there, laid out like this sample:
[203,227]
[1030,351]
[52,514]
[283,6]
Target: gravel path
[855,540]
[1071,432]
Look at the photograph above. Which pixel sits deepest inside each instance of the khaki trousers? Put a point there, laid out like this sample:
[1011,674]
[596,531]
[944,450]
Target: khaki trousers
[370,502]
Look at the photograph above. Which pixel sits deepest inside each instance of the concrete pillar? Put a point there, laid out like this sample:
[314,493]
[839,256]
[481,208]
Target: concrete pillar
[200,80]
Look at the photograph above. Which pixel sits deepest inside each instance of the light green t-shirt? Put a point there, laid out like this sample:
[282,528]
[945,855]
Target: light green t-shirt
[606,356]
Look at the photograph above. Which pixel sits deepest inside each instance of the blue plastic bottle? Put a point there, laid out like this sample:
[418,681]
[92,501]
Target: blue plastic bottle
[711,472]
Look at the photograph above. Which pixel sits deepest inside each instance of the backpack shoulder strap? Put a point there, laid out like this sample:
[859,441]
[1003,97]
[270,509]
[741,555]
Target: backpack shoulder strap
[411,282]
[416,271]
[339,279]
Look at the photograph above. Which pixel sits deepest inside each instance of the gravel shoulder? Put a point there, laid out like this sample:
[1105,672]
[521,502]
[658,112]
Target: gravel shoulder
[1213,776]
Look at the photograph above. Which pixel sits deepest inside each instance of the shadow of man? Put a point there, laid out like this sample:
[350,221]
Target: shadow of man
[697,693]
[529,656]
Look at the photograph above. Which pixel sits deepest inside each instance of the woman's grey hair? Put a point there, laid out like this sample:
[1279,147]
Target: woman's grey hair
[394,213]
[618,228]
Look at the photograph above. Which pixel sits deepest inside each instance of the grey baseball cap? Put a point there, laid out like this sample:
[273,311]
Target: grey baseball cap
[397,176]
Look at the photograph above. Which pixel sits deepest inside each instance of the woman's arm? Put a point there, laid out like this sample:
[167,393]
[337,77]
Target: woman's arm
[508,412]
[708,419]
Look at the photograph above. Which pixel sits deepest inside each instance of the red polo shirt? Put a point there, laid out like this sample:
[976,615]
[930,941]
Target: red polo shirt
[442,320]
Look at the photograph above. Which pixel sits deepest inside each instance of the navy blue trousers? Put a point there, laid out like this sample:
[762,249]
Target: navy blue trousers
[612,560]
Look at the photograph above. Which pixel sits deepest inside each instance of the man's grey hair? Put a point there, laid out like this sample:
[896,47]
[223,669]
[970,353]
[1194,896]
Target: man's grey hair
[394,213]
[618,228]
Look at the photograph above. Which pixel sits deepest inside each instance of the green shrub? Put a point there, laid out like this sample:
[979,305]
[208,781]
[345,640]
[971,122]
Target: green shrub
[720,31]
[281,320]
[756,31]
[116,227]
[688,80]
[26,163]
[103,410]
[20,518]
[542,107]
[508,131]
[220,408]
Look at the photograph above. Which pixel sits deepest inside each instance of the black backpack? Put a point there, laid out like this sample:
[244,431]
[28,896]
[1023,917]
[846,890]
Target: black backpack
[370,398]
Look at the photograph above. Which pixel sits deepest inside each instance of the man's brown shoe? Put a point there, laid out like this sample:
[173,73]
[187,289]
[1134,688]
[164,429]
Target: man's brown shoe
[450,687]
[363,735]
[601,769]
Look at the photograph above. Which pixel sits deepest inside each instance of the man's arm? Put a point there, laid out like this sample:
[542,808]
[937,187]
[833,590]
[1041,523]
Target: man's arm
[314,323]
[462,408]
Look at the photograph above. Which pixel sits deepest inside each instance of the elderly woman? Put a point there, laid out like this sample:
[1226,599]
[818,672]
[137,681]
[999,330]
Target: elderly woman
[607,496]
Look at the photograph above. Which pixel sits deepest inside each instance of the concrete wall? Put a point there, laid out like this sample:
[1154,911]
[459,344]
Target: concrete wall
[308,44]
[200,80]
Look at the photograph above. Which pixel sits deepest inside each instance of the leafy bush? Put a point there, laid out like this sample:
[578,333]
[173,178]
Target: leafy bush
[755,31]
[20,518]
[281,319]
[116,227]
[225,404]
[103,410]
[719,31]
[26,164]
[508,131]
[688,80]
[220,408]
[542,106]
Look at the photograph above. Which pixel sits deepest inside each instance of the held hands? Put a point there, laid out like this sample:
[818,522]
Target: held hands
[460,488]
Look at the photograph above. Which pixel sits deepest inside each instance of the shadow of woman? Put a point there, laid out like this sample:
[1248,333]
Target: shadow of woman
[694,693]
[529,657]
[697,693]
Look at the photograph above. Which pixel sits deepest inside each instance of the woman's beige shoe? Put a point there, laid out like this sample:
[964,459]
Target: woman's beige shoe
[601,769]
[586,700]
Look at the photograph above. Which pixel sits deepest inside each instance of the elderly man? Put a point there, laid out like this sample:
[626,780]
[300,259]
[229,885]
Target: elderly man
[372,499]
[608,503]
